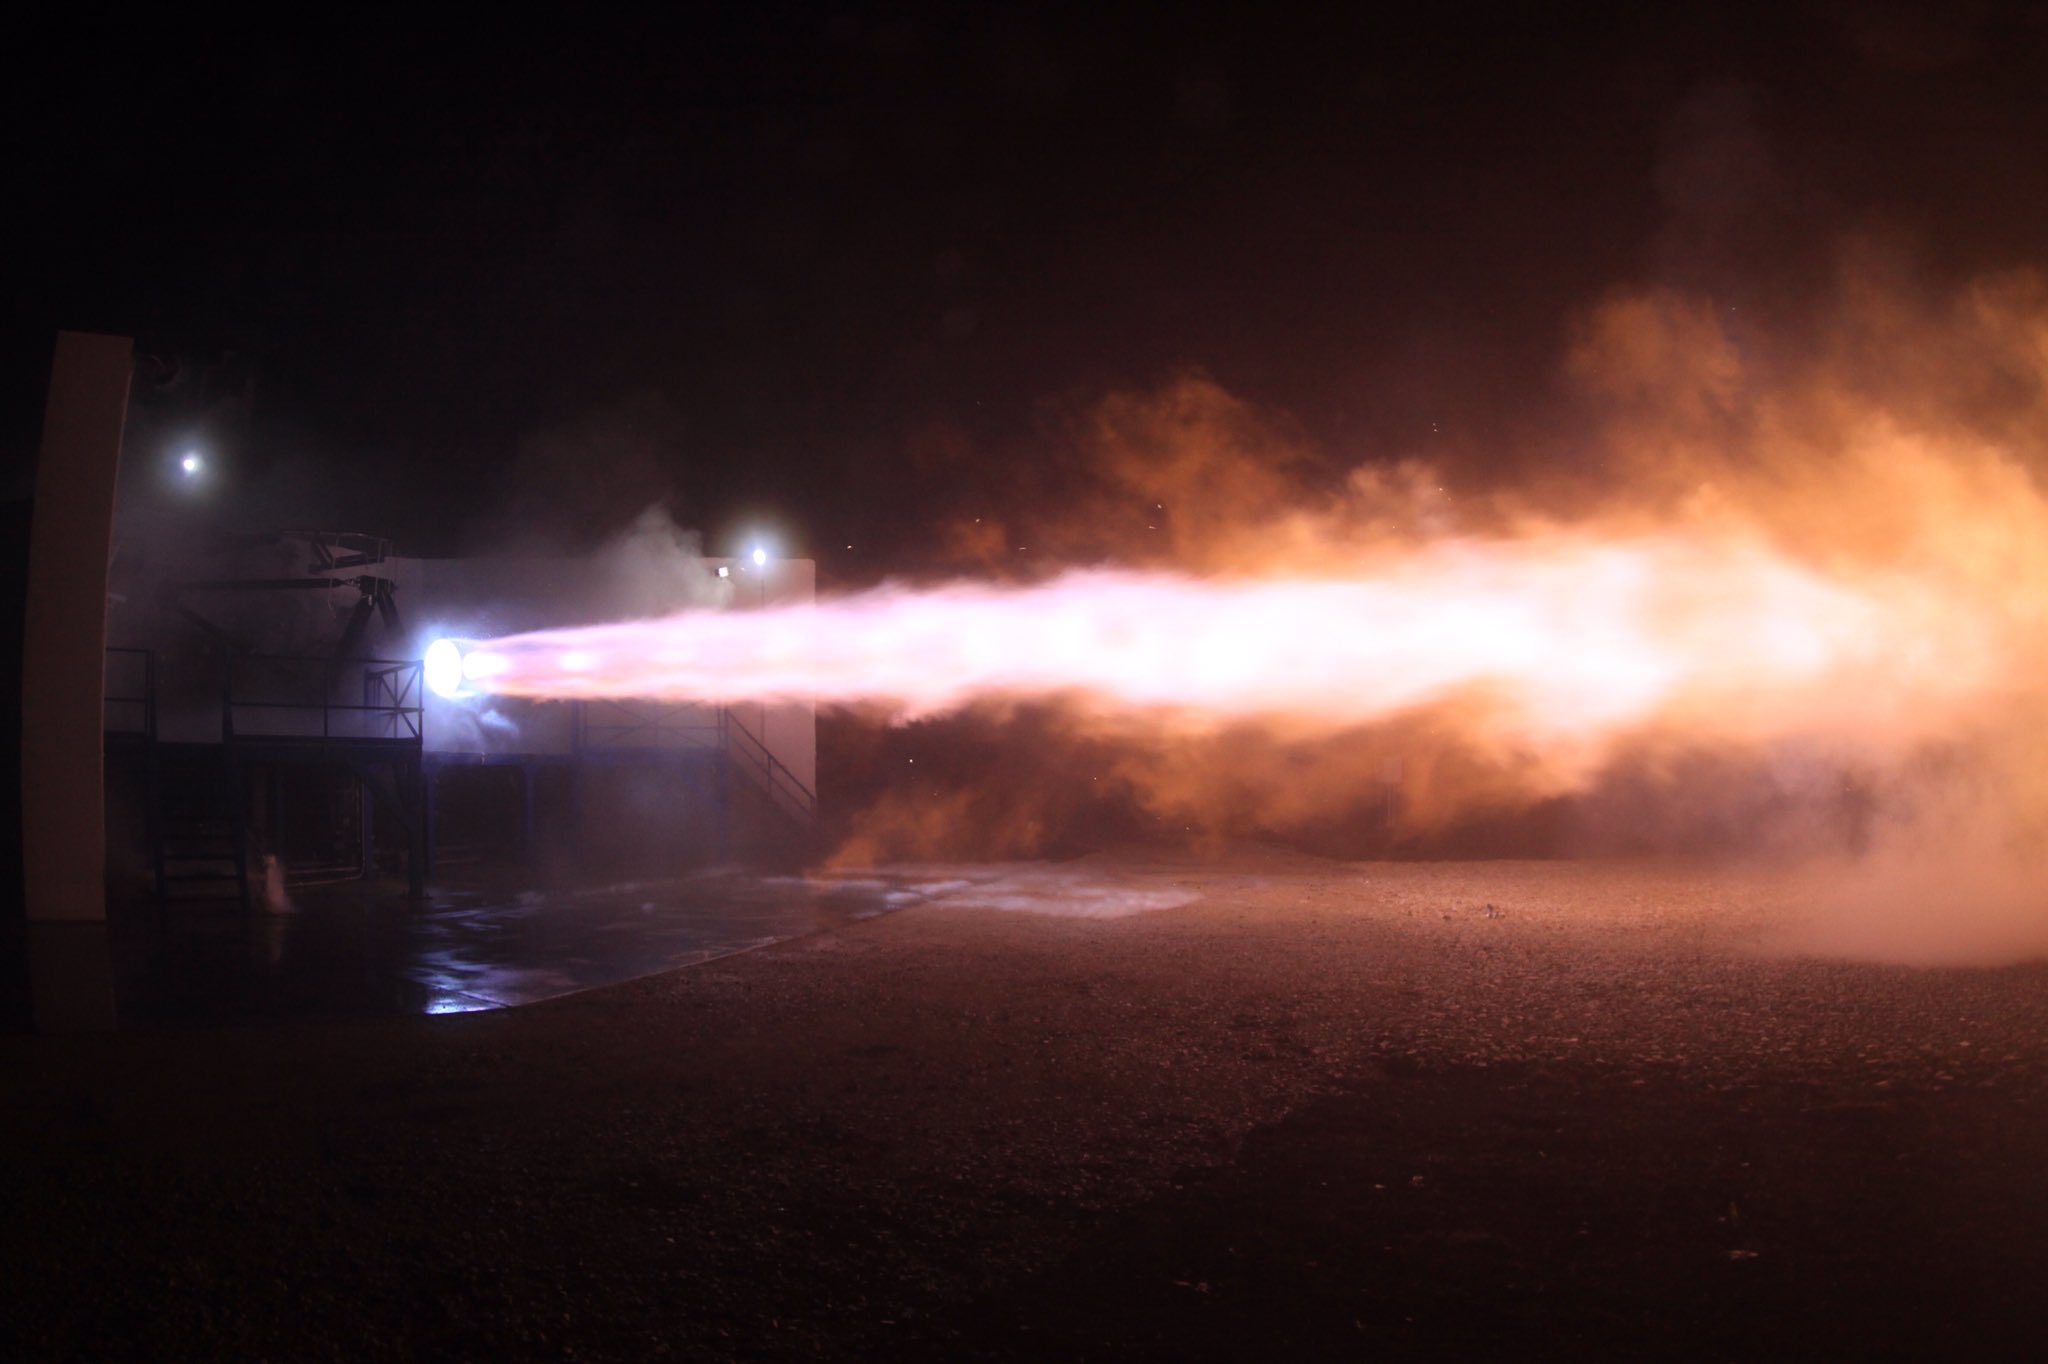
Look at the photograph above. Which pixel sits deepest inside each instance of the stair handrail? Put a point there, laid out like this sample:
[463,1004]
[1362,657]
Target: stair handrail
[399,678]
[652,722]
[772,767]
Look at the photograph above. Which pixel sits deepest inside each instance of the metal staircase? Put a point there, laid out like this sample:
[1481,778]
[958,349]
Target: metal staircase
[752,761]
[748,772]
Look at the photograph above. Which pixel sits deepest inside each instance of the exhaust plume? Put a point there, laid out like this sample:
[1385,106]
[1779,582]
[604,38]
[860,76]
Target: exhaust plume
[1789,579]
[1552,641]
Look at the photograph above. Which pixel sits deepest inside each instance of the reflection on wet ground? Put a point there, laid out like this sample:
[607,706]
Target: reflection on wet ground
[348,950]
[351,951]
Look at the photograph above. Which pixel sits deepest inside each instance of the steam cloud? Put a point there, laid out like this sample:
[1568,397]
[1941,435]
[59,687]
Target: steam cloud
[1790,580]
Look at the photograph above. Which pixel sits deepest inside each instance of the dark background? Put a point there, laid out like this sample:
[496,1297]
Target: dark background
[819,268]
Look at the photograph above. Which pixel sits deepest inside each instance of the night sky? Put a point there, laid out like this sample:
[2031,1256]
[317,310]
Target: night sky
[824,267]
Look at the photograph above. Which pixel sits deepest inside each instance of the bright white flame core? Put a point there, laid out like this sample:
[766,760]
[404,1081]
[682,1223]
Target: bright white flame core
[1561,639]
[443,668]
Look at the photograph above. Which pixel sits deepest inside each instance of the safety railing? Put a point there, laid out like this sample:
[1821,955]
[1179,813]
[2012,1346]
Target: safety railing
[393,691]
[638,728]
[645,727]
[271,696]
[752,756]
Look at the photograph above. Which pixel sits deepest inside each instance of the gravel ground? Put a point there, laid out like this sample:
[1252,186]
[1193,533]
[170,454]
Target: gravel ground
[1127,1107]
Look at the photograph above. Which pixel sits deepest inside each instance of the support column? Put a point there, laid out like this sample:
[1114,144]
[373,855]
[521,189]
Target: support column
[63,681]
[527,828]
[276,772]
[428,772]
[367,818]
[411,777]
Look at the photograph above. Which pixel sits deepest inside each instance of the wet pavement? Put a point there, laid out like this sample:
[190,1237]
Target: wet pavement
[348,950]
[352,951]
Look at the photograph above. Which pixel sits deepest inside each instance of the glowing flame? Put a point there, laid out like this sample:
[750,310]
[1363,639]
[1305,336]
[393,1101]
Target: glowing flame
[443,668]
[1798,580]
[1562,638]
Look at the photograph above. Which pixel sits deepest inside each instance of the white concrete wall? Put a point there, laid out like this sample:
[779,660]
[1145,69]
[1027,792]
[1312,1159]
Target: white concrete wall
[64,631]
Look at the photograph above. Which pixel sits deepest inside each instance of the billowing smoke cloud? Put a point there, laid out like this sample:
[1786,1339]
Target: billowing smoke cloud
[1783,588]
[1893,450]
[547,502]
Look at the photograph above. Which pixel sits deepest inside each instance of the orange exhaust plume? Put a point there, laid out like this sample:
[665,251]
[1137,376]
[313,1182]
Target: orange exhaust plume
[1746,568]
[1559,640]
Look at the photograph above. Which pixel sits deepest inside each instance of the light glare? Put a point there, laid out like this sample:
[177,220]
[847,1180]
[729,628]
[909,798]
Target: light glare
[443,668]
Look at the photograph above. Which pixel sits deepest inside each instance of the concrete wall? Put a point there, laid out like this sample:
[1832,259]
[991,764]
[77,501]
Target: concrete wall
[64,634]
[63,653]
